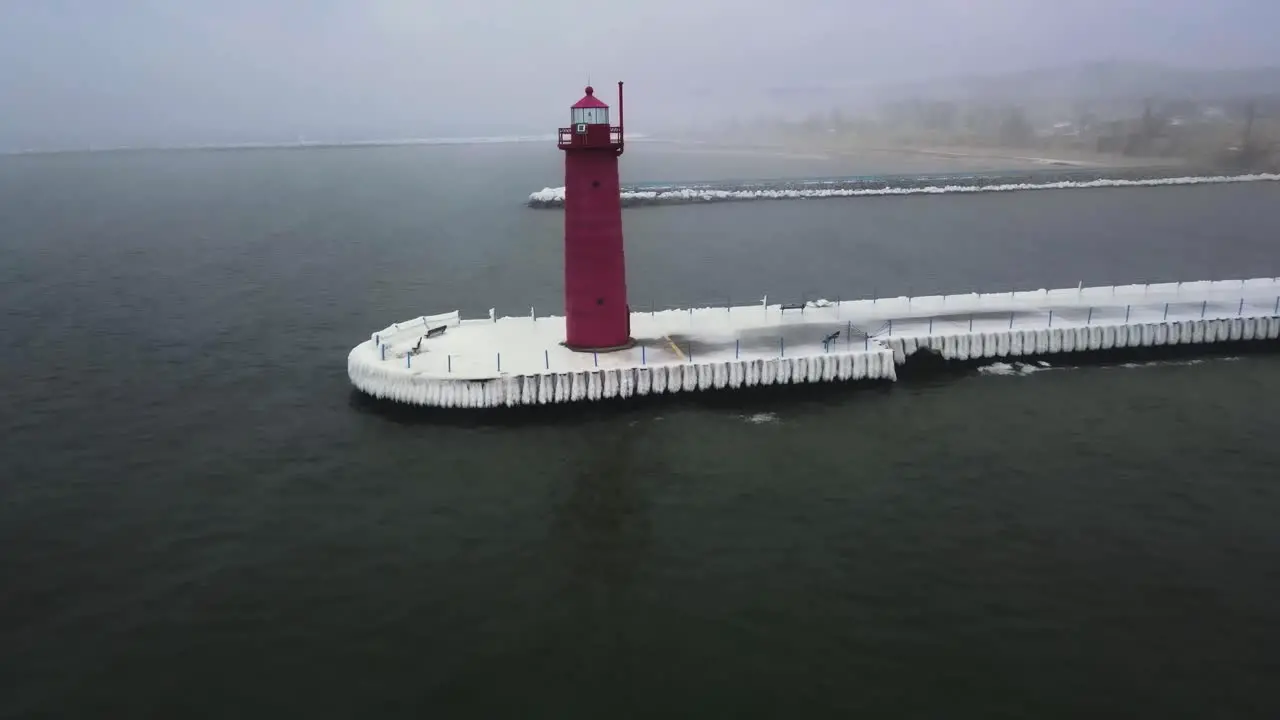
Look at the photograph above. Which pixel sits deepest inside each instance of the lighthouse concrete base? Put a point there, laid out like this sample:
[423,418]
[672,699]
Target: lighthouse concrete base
[630,343]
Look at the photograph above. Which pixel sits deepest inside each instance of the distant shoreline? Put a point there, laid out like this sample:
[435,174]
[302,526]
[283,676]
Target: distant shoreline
[233,147]
[308,145]
[1085,160]
[955,158]
[1002,158]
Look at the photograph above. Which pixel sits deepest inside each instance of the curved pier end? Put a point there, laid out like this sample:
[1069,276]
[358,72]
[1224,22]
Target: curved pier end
[445,361]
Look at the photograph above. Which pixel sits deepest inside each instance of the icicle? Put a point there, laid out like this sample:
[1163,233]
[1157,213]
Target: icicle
[659,380]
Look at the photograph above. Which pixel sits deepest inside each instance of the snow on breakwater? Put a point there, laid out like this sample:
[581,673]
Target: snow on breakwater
[682,195]
[603,384]
[1028,342]
[518,360]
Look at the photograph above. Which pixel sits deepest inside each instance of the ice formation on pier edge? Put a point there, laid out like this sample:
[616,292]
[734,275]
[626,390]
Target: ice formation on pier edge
[463,365]
[554,197]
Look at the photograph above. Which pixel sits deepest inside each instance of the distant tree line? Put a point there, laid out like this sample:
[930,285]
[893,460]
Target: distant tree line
[1243,132]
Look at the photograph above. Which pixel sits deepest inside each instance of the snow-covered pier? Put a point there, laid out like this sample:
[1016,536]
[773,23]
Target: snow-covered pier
[445,361]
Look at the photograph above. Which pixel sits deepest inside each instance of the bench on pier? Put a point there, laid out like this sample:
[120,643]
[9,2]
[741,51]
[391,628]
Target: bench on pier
[432,332]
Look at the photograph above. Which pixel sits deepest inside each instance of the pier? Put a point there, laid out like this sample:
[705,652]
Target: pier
[447,361]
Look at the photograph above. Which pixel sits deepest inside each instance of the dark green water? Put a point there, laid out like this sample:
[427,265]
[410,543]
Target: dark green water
[198,518]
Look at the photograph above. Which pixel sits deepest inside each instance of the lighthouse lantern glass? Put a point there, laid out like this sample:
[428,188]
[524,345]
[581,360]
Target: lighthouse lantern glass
[591,116]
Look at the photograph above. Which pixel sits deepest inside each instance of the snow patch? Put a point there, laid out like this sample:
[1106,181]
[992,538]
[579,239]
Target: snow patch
[1017,368]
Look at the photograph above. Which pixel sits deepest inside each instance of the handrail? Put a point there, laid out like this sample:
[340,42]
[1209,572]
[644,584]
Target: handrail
[566,138]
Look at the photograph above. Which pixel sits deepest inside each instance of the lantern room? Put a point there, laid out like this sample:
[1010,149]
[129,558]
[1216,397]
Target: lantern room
[589,124]
[589,110]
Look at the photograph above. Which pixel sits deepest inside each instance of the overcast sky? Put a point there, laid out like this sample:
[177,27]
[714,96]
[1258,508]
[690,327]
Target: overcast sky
[130,72]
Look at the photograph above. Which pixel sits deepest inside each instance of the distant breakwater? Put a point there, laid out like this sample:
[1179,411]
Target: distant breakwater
[935,184]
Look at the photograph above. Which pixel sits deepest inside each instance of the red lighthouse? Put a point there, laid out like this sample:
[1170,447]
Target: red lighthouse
[595,274]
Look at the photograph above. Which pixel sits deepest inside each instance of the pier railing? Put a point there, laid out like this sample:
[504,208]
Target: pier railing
[1133,293]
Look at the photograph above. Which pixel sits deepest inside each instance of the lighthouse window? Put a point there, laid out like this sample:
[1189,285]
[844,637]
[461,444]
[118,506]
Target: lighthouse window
[591,116]
[595,183]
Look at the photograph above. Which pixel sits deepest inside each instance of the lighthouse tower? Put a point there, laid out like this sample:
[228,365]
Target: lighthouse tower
[597,316]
